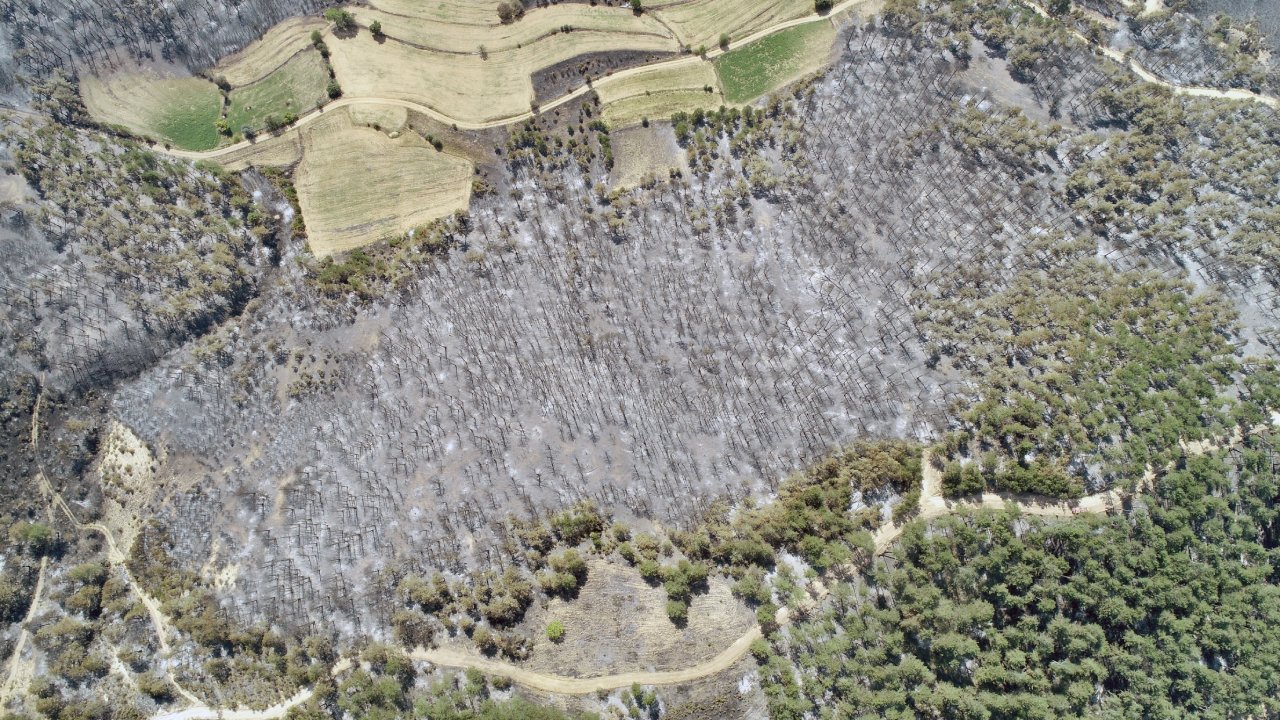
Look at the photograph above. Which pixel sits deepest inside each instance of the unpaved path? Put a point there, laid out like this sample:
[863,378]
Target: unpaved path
[932,505]
[1142,72]
[443,117]
[452,657]
[11,683]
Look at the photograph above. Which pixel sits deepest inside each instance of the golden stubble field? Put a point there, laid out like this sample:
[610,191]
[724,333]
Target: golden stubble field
[357,184]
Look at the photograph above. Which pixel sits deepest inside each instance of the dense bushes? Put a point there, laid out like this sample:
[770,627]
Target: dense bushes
[1082,373]
[1163,613]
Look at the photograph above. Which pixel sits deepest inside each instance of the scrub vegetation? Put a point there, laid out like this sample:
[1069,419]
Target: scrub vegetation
[940,384]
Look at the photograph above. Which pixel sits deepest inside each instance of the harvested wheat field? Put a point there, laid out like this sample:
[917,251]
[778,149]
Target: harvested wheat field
[700,22]
[387,118]
[356,185]
[618,623]
[272,51]
[659,92]
[280,151]
[468,87]
[430,33]
[161,102]
[454,12]
[643,154]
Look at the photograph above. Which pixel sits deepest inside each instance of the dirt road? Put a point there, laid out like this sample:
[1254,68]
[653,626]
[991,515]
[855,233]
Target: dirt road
[11,683]
[932,505]
[452,657]
[443,117]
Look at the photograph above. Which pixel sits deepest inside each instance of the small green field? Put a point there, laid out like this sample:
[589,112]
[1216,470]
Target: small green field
[297,86]
[177,110]
[189,121]
[767,64]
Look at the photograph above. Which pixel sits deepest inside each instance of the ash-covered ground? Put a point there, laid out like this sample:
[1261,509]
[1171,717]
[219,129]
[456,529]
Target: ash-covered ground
[738,324]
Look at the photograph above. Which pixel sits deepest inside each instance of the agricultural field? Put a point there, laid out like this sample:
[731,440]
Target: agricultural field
[356,184]
[749,72]
[699,23]
[157,103]
[659,92]
[422,30]
[917,365]
[272,51]
[295,87]
[469,87]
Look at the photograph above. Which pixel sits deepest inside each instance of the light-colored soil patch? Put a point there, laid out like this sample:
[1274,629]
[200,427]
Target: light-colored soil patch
[127,469]
[763,66]
[990,75]
[618,623]
[296,87]
[158,102]
[467,86]
[700,22]
[643,154]
[658,93]
[276,47]
[14,189]
[387,118]
[356,185]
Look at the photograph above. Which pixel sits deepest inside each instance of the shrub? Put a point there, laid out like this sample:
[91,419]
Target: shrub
[509,12]
[555,631]
[341,19]
[678,611]
[334,89]
[375,27]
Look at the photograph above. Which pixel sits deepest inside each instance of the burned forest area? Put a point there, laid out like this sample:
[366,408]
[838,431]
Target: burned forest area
[747,411]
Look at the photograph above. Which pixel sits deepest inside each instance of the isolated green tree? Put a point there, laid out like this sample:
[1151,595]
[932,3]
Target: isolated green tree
[342,20]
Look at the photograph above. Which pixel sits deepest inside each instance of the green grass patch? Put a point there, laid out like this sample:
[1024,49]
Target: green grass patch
[765,65]
[296,87]
[187,121]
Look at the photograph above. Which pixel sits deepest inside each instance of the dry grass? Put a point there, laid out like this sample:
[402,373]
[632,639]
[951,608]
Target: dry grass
[618,623]
[467,86]
[272,51]
[357,185]
[387,118]
[645,153]
[452,36]
[700,22]
[457,12]
[657,93]
[159,102]
[278,151]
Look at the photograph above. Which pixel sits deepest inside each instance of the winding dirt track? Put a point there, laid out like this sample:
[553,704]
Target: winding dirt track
[441,116]
[932,504]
